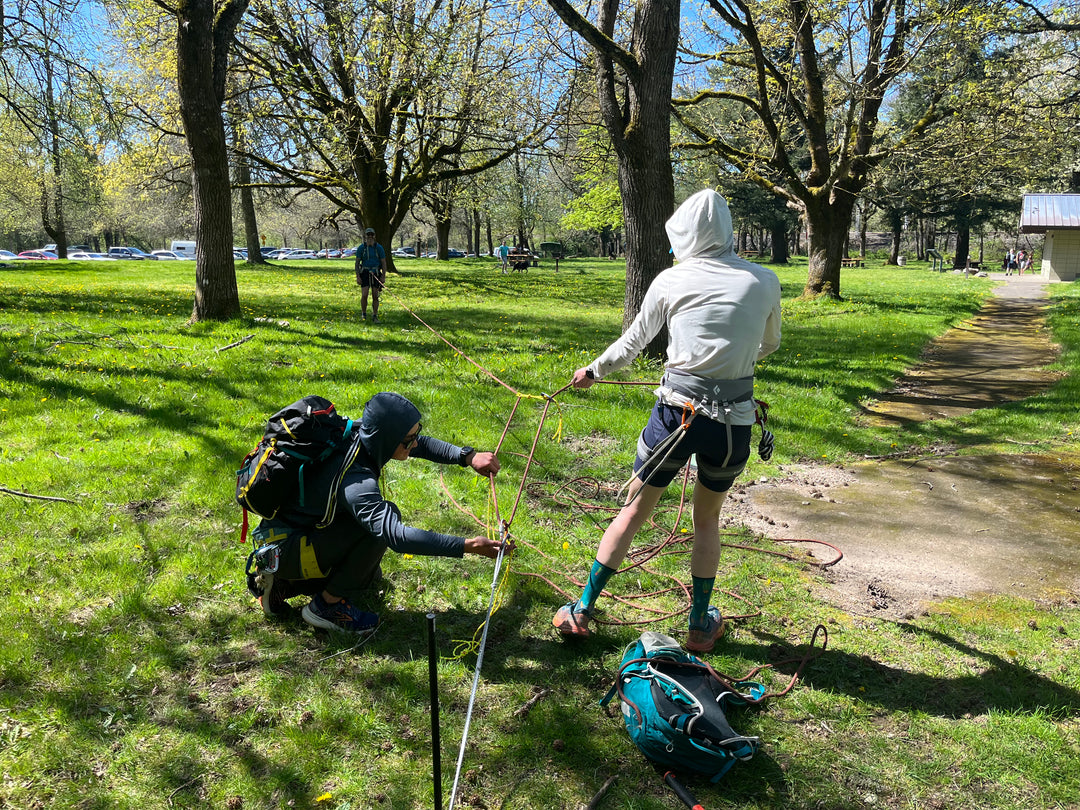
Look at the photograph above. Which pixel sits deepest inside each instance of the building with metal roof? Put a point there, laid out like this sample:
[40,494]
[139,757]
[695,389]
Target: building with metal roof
[1057,216]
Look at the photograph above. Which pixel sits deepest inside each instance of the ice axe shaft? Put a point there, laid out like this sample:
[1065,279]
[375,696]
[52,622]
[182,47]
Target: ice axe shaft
[685,795]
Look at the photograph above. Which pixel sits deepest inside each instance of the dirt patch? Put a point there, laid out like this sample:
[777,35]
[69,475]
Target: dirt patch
[917,531]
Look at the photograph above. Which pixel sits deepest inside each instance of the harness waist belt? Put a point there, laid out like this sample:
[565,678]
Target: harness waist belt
[726,392]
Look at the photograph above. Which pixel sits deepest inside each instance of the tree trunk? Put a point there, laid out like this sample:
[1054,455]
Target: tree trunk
[477,223]
[779,240]
[896,225]
[247,200]
[863,219]
[963,246]
[648,194]
[642,139]
[54,225]
[635,104]
[202,40]
[828,226]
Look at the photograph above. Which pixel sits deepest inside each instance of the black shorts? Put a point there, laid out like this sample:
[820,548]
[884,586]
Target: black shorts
[705,437]
[364,278]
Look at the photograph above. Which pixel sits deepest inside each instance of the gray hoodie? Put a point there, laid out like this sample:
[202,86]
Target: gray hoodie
[722,312]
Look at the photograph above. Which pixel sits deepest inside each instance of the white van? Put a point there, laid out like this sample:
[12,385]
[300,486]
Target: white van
[185,249]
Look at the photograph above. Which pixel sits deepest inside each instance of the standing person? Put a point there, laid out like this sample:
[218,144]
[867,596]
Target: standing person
[723,315]
[370,264]
[503,252]
[337,563]
[1021,261]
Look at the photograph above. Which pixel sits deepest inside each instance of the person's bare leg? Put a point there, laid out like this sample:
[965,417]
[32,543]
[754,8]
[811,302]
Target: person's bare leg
[620,532]
[363,302]
[705,557]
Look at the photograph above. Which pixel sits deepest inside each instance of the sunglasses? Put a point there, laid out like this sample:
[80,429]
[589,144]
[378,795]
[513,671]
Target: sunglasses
[410,440]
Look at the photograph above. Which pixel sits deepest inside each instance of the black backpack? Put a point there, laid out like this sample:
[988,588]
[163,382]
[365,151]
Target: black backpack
[298,440]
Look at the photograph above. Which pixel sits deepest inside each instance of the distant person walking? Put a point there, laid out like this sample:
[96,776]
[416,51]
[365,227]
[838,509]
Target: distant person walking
[503,252]
[370,266]
[1008,264]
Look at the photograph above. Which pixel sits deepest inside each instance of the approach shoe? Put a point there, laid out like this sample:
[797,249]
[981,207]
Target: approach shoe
[272,595]
[702,640]
[572,620]
[339,616]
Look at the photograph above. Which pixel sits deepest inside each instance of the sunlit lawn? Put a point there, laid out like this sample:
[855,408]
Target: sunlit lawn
[136,671]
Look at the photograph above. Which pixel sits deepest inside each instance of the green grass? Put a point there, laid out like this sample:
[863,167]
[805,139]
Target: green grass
[136,671]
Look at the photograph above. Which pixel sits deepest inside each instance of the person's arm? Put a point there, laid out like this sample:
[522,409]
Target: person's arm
[647,325]
[770,341]
[382,259]
[431,449]
[381,519]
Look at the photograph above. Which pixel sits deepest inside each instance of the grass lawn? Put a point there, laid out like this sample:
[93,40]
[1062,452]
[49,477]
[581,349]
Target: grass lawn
[136,670]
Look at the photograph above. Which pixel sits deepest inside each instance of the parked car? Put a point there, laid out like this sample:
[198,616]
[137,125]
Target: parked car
[239,255]
[293,255]
[87,256]
[7,254]
[454,253]
[405,252]
[167,255]
[348,253]
[130,253]
[36,254]
[49,248]
[266,251]
[329,253]
[184,248]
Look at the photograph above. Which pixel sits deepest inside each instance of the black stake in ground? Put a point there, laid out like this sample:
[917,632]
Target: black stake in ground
[433,678]
[680,790]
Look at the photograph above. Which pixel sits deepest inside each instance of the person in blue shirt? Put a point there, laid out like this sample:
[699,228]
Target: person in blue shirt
[370,265]
[503,252]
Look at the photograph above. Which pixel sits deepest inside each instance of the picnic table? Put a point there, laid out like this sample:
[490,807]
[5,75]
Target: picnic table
[851,262]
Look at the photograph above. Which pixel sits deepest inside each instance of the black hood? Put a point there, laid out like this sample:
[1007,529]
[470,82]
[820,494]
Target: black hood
[387,420]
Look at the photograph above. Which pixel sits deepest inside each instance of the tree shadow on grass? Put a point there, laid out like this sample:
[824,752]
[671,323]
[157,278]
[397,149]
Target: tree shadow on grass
[996,684]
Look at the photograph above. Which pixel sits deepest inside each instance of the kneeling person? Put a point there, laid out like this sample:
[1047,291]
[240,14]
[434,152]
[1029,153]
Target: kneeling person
[337,563]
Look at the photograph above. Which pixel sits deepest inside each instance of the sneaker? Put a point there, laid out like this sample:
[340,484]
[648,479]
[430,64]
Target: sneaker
[272,595]
[339,616]
[572,620]
[375,319]
[702,640]
[363,316]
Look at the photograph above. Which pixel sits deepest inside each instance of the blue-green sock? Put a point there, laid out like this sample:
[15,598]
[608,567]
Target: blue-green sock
[699,607]
[598,578]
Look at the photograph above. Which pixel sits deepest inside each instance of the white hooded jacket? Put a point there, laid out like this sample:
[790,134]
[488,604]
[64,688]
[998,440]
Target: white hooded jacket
[722,312]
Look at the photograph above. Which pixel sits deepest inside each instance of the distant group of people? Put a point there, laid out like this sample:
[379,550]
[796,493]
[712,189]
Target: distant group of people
[722,315]
[1016,262]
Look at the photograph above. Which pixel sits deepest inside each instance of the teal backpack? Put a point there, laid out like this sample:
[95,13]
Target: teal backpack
[674,705]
